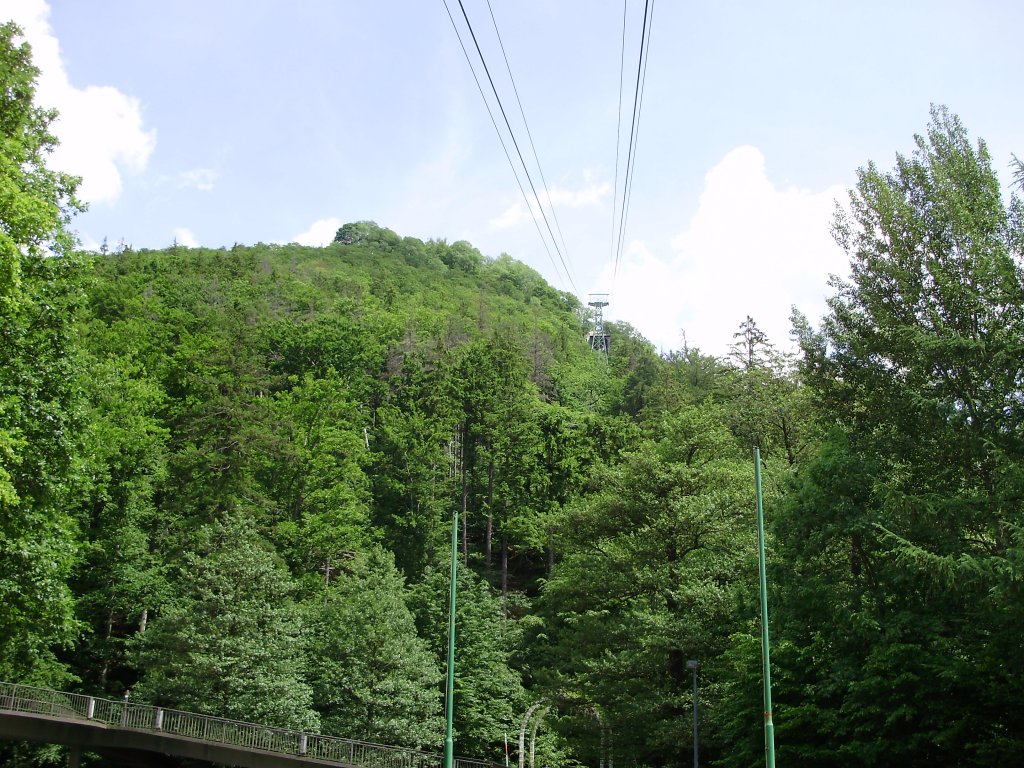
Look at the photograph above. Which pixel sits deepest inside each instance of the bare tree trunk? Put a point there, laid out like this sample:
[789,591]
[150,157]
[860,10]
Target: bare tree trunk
[504,574]
[465,499]
[106,654]
[489,533]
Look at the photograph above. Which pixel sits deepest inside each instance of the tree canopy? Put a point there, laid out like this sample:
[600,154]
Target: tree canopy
[39,404]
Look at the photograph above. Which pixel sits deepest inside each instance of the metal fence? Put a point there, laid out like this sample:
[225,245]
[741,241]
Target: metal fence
[217,730]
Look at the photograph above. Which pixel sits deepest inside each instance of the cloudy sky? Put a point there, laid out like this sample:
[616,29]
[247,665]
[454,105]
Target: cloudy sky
[212,123]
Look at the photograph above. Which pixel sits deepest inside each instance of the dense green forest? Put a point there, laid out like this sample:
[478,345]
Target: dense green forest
[227,480]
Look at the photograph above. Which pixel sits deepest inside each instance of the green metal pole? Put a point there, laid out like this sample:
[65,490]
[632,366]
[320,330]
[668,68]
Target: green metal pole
[449,744]
[769,727]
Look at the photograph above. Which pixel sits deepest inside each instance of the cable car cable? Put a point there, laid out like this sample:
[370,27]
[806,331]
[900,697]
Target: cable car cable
[501,140]
[529,134]
[515,143]
[641,78]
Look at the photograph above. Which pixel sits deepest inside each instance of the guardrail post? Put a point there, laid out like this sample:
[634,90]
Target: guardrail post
[90,710]
[302,743]
[158,723]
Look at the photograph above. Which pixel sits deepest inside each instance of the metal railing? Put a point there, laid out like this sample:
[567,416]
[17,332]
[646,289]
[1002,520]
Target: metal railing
[250,736]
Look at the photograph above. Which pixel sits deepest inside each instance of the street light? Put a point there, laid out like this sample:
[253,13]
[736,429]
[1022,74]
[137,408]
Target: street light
[449,699]
[693,665]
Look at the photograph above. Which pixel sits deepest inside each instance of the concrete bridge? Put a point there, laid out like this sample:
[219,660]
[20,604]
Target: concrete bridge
[130,735]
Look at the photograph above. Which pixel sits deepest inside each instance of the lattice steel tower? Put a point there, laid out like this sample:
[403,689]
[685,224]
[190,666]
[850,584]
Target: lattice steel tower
[598,338]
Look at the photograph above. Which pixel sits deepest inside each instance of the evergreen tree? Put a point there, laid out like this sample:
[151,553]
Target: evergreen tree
[119,578]
[314,473]
[229,642]
[413,476]
[651,564]
[373,678]
[489,695]
[768,405]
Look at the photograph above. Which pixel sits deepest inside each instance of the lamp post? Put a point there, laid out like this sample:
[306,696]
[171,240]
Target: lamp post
[449,747]
[693,665]
[769,726]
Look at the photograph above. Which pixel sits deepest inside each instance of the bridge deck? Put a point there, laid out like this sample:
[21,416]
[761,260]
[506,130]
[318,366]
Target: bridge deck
[95,724]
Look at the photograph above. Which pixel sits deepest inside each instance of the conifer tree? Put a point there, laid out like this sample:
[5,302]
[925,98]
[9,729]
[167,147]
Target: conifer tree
[373,678]
[489,695]
[229,642]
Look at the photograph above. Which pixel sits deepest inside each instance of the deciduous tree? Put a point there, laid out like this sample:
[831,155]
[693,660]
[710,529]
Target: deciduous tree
[39,292]
[904,537]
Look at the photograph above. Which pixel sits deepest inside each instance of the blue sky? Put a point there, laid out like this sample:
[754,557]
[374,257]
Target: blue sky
[221,122]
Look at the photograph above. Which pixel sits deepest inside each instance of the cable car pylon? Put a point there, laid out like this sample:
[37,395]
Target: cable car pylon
[599,339]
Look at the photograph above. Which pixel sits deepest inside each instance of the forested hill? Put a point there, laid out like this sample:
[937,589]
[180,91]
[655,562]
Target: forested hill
[261,451]
[359,381]
[274,441]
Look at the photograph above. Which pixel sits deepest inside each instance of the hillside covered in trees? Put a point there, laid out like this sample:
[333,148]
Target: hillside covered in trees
[227,479]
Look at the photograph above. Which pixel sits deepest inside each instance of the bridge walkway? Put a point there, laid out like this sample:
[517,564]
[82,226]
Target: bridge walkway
[124,728]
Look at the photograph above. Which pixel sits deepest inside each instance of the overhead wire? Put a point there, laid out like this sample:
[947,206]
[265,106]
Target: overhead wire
[633,133]
[620,204]
[618,132]
[529,134]
[515,143]
[641,77]
[504,147]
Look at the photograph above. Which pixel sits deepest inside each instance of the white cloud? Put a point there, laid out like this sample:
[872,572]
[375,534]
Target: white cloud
[321,232]
[100,129]
[87,243]
[590,194]
[185,237]
[198,178]
[510,218]
[751,249]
